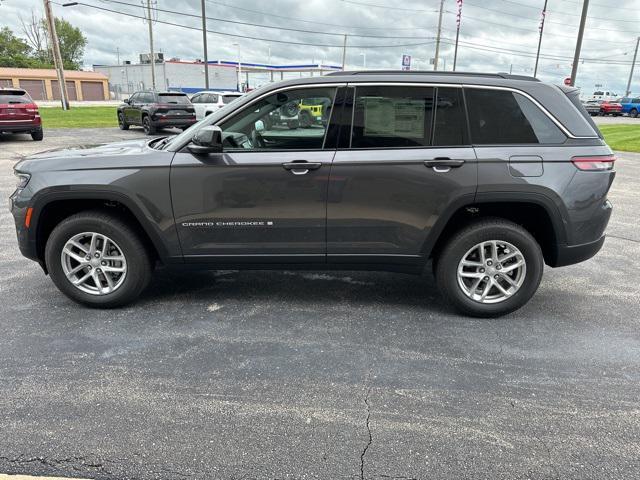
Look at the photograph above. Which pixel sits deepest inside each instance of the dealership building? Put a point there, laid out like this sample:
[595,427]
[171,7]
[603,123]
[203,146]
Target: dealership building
[188,76]
[42,83]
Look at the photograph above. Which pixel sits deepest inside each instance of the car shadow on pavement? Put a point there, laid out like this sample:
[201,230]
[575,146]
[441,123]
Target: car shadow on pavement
[297,287]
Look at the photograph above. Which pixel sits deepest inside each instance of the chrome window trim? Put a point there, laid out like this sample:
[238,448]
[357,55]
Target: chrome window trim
[477,86]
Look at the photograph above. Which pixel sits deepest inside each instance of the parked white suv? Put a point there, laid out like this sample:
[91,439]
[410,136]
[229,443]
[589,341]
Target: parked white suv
[209,101]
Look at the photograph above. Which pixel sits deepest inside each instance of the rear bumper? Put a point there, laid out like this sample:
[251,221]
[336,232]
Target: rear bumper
[20,126]
[571,254]
[173,122]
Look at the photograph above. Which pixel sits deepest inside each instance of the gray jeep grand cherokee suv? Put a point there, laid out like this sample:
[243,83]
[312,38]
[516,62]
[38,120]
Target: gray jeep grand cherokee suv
[489,176]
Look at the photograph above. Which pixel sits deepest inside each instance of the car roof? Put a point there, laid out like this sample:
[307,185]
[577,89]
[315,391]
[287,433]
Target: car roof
[219,92]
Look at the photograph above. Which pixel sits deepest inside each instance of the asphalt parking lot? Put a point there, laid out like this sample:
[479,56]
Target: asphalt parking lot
[300,375]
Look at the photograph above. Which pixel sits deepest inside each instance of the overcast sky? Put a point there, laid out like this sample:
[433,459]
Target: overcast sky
[488,28]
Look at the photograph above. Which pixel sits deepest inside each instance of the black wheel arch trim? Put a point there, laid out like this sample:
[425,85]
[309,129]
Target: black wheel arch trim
[44,198]
[470,200]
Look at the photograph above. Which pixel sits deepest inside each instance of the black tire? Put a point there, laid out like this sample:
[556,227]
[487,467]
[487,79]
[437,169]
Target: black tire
[147,126]
[37,135]
[446,266]
[139,266]
[633,113]
[122,123]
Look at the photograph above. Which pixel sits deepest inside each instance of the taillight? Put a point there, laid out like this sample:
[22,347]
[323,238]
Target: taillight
[31,108]
[595,163]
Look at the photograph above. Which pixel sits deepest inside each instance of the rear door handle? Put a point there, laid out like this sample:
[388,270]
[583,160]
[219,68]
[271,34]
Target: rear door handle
[301,167]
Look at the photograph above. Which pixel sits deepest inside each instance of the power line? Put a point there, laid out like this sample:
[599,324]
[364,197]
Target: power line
[571,14]
[412,10]
[315,22]
[250,37]
[237,22]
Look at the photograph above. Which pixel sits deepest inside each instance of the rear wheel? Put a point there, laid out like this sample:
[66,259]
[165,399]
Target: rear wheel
[122,123]
[37,135]
[98,260]
[490,268]
[306,120]
[147,126]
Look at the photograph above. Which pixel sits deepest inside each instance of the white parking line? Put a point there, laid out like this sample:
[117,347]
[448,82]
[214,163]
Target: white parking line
[28,477]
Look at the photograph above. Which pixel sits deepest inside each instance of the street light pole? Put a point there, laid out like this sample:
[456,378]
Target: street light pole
[153,59]
[544,13]
[204,44]
[435,58]
[576,57]
[57,58]
[633,66]
[239,68]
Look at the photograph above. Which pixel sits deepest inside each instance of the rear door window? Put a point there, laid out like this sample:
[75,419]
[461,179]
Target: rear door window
[229,98]
[499,117]
[450,120]
[392,117]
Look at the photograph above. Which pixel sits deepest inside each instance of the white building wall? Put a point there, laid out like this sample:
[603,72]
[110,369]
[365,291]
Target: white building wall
[126,79]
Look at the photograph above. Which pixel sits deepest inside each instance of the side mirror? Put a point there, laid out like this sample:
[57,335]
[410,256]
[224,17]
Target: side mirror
[127,100]
[206,140]
[259,126]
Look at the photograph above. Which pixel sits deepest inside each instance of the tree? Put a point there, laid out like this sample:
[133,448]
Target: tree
[14,52]
[72,43]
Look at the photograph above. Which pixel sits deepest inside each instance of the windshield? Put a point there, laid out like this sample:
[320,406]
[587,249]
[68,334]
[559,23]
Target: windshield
[185,136]
[173,98]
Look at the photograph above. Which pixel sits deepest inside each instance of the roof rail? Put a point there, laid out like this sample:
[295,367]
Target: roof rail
[431,72]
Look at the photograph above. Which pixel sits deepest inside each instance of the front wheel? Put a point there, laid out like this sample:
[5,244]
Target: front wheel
[98,260]
[490,268]
[122,123]
[634,113]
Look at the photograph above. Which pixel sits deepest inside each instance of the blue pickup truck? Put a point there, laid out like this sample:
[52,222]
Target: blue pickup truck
[630,106]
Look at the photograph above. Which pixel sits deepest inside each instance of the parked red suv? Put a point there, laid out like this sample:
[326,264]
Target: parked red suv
[19,114]
[610,107]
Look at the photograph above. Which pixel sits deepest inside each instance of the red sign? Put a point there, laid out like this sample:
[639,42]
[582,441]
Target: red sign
[567,81]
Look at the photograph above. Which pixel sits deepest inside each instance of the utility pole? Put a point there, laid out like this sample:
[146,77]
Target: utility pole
[344,52]
[633,66]
[153,57]
[435,58]
[576,57]
[204,42]
[458,20]
[57,58]
[544,13]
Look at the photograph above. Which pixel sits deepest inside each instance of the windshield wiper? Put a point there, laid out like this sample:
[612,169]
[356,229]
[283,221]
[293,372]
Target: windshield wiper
[160,145]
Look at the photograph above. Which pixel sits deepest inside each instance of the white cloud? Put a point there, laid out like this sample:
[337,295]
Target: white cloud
[488,28]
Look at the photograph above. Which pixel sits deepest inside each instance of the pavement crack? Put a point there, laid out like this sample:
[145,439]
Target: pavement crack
[370,440]
[624,238]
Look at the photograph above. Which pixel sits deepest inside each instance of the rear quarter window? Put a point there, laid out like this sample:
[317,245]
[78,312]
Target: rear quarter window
[504,117]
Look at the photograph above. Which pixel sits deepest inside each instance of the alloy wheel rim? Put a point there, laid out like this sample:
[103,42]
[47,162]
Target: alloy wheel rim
[491,271]
[93,263]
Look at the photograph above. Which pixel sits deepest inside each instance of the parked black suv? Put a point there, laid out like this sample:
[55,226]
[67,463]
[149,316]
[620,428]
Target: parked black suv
[488,176]
[156,110]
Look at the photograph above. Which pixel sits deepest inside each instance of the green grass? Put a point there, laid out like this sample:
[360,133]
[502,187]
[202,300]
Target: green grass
[622,137]
[79,117]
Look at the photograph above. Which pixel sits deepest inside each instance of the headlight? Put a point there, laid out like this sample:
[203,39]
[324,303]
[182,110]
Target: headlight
[23,179]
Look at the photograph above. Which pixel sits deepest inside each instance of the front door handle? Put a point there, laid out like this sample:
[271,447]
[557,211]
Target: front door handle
[444,162]
[301,167]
